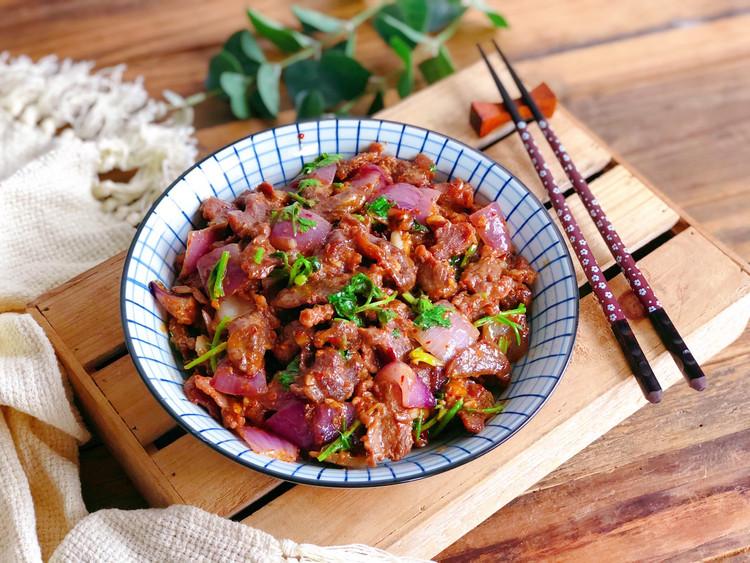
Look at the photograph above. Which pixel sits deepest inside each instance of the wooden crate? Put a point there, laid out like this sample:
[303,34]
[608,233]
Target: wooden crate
[704,288]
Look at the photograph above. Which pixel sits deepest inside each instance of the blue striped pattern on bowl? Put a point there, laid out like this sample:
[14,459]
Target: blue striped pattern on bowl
[276,156]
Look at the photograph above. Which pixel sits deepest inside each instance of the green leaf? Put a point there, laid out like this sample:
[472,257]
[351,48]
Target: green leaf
[438,67]
[236,87]
[343,74]
[415,13]
[351,44]
[442,13]
[288,40]
[496,19]
[378,103]
[268,86]
[405,29]
[250,47]
[406,81]
[221,63]
[316,20]
[309,103]
[235,46]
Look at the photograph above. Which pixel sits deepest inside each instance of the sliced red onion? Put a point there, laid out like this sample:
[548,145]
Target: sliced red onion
[370,175]
[283,237]
[443,342]
[491,226]
[419,201]
[414,393]
[324,175]
[234,277]
[230,380]
[328,421]
[268,444]
[199,244]
[182,308]
[291,424]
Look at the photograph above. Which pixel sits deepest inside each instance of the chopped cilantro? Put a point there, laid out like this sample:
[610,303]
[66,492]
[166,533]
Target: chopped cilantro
[320,161]
[287,376]
[430,315]
[455,261]
[380,207]
[216,277]
[385,315]
[337,185]
[299,271]
[433,168]
[418,227]
[345,354]
[292,213]
[308,183]
[343,442]
[208,355]
[490,410]
[447,418]
[259,254]
[503,318]
[303,200]
[346,301]
[396,332]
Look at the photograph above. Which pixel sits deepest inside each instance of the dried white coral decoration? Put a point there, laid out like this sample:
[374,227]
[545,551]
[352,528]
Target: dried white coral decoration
[150,140]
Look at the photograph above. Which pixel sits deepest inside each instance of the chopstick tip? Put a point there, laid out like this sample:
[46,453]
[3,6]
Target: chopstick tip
[699,383]
[654,396]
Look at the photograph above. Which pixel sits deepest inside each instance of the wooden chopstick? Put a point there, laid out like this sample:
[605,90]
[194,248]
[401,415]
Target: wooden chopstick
[668,333]
[620,327]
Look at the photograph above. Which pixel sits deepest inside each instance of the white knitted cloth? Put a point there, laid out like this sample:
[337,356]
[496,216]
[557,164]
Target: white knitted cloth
[54,226]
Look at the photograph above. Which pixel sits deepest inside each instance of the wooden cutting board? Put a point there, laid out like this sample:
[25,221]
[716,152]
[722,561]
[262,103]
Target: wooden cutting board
[705,290]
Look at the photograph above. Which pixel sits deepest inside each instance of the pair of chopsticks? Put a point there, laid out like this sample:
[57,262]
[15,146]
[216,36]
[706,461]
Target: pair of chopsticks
[609,304]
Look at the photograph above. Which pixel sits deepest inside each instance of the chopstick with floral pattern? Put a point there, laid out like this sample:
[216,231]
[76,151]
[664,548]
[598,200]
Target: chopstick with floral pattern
[672,340]
[620,327]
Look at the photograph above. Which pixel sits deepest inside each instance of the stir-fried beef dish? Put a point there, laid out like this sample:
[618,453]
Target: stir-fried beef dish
[351,315]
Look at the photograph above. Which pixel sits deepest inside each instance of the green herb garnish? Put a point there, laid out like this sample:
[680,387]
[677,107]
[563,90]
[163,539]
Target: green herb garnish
[216,277]
[287,376]
[343,442]
[303,200]
[337,185]
[418,227]
[259,254]
[447,418]
[417,425]
[308,183]
[430,315]
[503,318]
[298,272]
[490,410]
[217,336]
[471,251]
[433,168]
[320,161]
[292,213]
[380,207]
[346,301]
[208,355]
[346,354]
[396,332]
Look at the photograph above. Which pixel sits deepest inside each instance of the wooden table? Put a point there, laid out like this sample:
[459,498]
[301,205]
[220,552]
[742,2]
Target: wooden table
[664,84]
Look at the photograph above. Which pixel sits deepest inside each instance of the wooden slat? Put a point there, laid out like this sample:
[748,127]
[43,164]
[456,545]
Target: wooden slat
[589,155]
[125,390]
[76,306]
[146,476]
[596,393]
[209,480]
[623,197]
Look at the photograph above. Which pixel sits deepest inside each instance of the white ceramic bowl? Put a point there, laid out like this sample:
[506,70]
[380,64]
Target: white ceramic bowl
[276,156]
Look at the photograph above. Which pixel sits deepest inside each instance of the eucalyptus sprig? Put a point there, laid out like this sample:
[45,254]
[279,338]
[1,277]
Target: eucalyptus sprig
[319,69]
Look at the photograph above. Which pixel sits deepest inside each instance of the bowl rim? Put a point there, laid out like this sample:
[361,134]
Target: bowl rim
[339,482]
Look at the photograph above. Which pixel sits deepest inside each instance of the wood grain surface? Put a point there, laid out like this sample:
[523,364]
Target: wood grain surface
[666,85]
